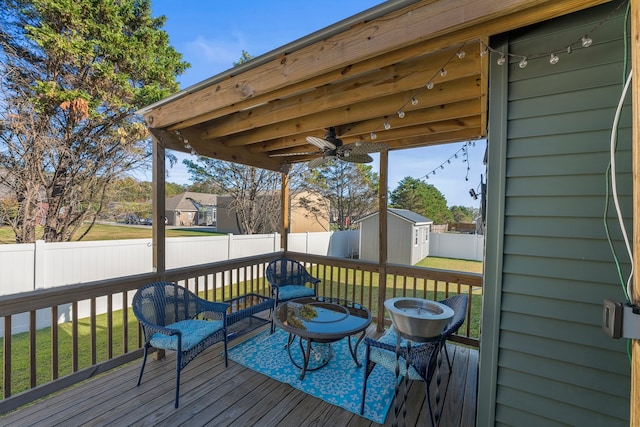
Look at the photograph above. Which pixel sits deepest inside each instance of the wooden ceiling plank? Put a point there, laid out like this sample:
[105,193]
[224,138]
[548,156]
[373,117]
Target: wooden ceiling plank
[362,42]
[401,77]
[437,139]
[429,114]
[454,91]
[236,155]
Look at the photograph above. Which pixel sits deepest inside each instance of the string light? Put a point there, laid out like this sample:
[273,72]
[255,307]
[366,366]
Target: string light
[584,42]
[465,159]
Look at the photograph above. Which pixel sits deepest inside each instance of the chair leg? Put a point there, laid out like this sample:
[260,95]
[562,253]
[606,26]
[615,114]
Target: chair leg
[226,359]
[144,360]
[426,391]
[178,361]
[446,353]
[367,371]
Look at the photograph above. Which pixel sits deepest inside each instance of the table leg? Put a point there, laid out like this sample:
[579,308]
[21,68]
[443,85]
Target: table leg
[354,351]
[306,356]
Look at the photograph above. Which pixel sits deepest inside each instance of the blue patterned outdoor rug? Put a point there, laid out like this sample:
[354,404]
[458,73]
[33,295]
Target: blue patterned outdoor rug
[338,383]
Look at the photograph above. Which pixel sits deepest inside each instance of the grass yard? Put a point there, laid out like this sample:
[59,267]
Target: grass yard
[113,232]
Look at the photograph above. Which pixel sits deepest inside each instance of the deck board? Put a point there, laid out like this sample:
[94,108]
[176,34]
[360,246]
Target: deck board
[212,395]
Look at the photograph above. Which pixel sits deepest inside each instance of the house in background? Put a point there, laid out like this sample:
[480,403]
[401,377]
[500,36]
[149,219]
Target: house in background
[190,208]
[408,236]
[309,213]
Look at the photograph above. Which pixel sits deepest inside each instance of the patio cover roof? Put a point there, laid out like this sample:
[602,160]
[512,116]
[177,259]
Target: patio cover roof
[354,75]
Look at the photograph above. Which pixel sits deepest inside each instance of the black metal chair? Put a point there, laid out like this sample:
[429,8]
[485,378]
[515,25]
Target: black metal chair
[174,318]
[459,305]
[289,279]
[422,361]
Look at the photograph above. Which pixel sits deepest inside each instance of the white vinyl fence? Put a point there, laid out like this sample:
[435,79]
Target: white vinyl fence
[40,265]
[459,246]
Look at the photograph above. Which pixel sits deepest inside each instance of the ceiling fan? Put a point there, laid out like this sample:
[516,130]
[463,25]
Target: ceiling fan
[331,147]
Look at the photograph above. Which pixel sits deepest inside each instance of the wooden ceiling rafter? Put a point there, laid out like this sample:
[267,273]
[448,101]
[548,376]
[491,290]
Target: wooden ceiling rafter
[354,79]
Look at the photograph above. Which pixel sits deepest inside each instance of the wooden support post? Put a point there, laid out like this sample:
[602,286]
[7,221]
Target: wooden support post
[382,239]
[635,297]
[158,233]
[285,209]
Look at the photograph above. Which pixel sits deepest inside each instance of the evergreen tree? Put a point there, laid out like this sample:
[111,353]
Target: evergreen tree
[72,74]
[422,198]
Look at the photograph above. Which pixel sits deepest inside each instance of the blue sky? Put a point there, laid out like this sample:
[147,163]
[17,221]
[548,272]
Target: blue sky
[211,35]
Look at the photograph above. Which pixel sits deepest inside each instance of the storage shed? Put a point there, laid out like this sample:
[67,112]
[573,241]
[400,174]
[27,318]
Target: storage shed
[408,236]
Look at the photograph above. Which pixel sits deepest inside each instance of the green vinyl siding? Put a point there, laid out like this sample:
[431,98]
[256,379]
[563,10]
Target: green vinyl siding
[544,359]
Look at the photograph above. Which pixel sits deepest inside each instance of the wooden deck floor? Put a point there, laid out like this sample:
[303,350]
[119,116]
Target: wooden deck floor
[211,395]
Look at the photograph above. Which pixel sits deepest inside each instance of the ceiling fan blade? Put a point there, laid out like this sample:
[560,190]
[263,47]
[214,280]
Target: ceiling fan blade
[364,147]
[304,153]
[355,157]
[319,161]
[322,144]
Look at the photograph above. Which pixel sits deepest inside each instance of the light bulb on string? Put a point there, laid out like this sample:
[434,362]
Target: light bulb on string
[502,60]
[443,72]
[430,85]
[523,62]
[373,135]
[461,54]
[386,125]
[553,60]
[400,114]
[586,41]
[484,51]
[414,101]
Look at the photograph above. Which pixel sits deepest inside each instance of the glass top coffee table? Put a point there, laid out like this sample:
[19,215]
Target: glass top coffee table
[321,320]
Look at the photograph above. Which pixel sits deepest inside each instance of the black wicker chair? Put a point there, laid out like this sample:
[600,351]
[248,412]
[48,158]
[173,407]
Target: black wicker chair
[422,361]
[459,305]
[289,279]
[174,318]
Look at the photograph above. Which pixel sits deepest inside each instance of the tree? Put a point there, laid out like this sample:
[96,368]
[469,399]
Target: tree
[254,193]
[73,72]
[351,189]
[246,57]
[422,198]
[463,214]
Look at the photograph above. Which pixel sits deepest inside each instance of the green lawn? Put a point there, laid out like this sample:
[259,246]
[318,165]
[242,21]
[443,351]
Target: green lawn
[114,232]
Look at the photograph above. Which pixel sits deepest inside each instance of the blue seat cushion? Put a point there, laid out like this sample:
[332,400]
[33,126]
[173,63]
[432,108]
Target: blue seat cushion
[193,332]
[387,358]
[292,291]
